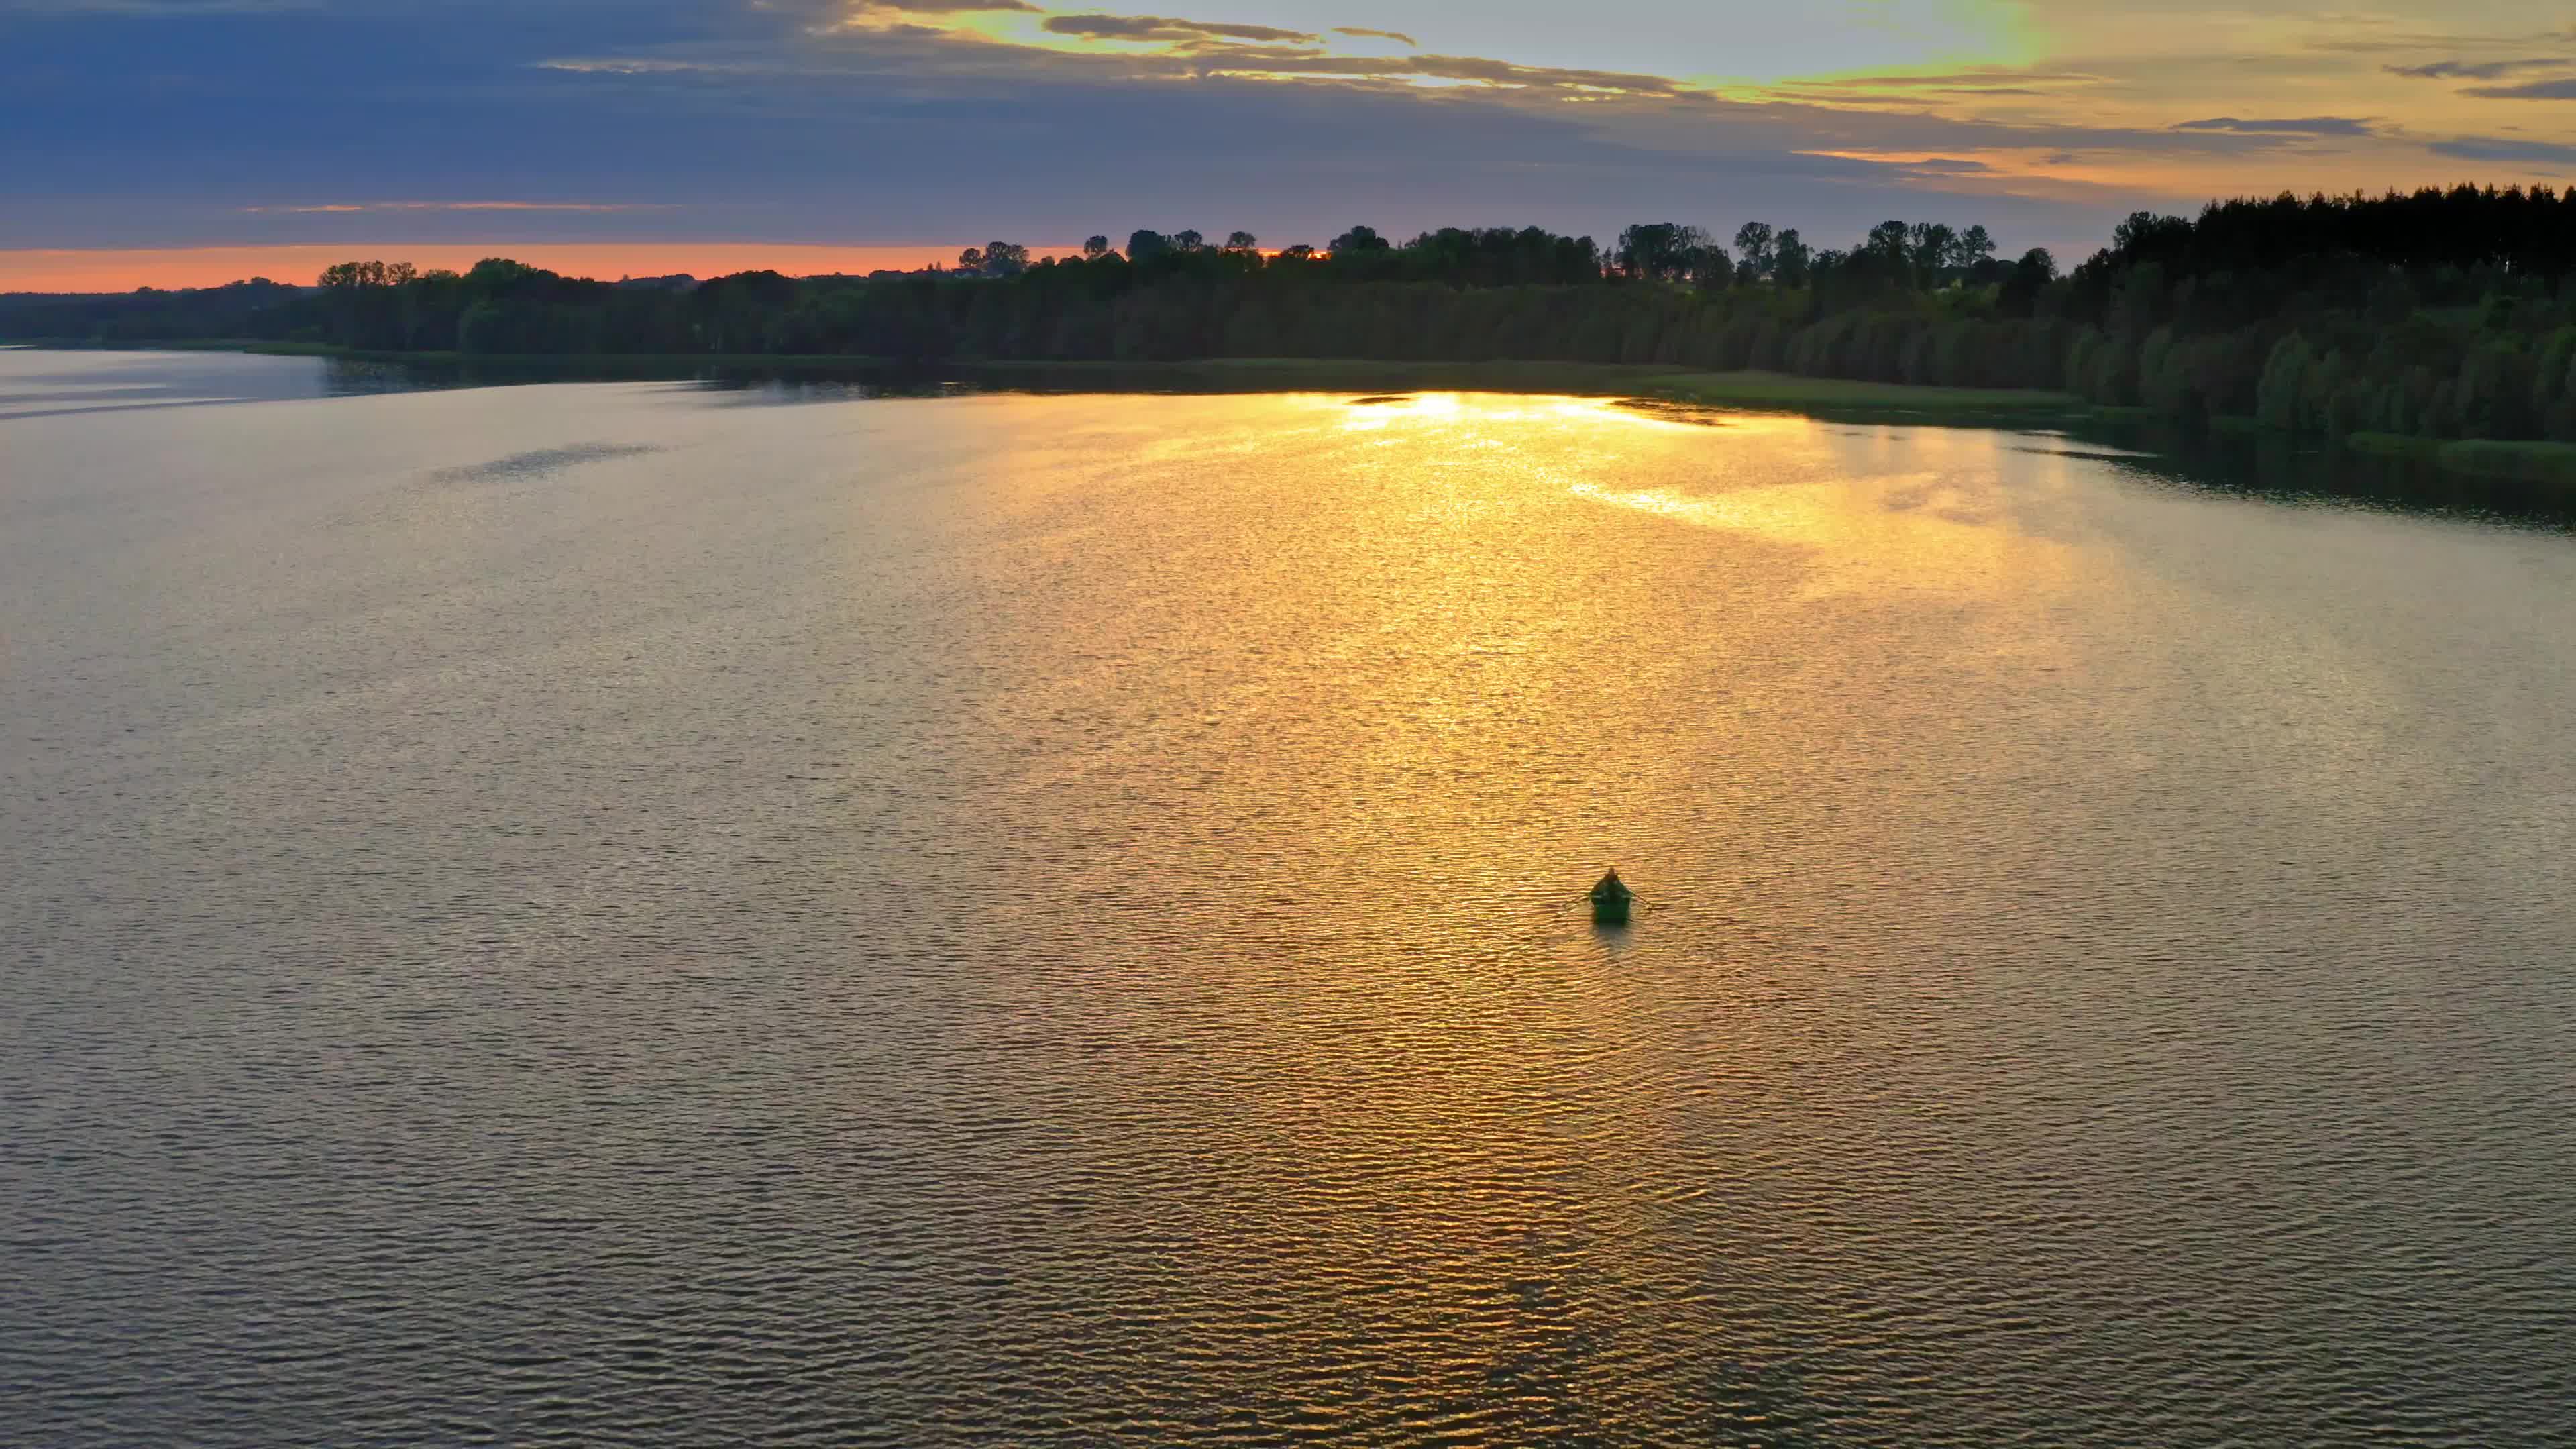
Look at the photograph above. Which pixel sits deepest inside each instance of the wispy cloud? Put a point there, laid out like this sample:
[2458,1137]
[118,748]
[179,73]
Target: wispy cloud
[338,208]
[1948,80]
[647,65]
[2364,34]
[1364,33]
[1151,28]
[2561,89]
[2297,126]
[1458,69]
[907,14]
[2507,149]
[2480,69]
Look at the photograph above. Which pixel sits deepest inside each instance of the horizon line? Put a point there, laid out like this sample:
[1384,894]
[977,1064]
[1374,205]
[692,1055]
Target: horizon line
[108,271]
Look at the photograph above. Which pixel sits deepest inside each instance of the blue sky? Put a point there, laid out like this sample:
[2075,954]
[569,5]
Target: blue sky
[142,125]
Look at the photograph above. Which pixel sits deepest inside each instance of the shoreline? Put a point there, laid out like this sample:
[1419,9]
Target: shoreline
[1752,390]
[1783,392]
[2547,468]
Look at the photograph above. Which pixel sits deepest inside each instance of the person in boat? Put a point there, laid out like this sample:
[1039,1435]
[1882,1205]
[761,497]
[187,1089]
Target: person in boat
[1610,890]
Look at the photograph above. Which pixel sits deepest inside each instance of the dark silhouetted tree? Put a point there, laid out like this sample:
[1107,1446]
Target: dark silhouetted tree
[1663,251]
[2030,277]
[1791,260]
[1754,255]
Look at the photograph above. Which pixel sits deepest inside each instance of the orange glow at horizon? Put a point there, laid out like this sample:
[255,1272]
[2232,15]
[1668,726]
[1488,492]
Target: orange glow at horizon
[32,270]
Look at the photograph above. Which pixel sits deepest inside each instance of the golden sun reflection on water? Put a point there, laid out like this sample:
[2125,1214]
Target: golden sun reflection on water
[1946,526]
[1921,533]
[1427,663]
[1446,634]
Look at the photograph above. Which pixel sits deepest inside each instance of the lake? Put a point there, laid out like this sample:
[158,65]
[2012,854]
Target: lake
[645,914]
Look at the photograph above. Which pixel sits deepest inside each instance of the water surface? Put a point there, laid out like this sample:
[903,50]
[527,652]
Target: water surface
[628,914]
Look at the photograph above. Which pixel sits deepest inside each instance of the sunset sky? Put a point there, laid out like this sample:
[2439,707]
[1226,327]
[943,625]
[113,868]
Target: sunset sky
[176,142]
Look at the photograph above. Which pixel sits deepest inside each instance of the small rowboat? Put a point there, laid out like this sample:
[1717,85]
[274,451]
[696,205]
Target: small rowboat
[1611,899]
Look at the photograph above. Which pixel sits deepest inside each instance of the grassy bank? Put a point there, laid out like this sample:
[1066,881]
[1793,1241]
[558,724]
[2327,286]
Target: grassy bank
[1763,390]
[2552,466]
[1741,389]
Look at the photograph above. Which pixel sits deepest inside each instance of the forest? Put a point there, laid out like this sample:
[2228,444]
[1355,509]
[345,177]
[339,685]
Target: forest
[2440,314]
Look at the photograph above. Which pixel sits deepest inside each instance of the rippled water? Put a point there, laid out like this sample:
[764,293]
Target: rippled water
[627,915]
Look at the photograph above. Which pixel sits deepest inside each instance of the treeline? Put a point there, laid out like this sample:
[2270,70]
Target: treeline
[2432,315]
[2441,314]
[257,308]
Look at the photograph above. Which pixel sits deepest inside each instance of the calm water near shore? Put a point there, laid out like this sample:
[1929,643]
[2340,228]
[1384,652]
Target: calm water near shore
[642,913]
